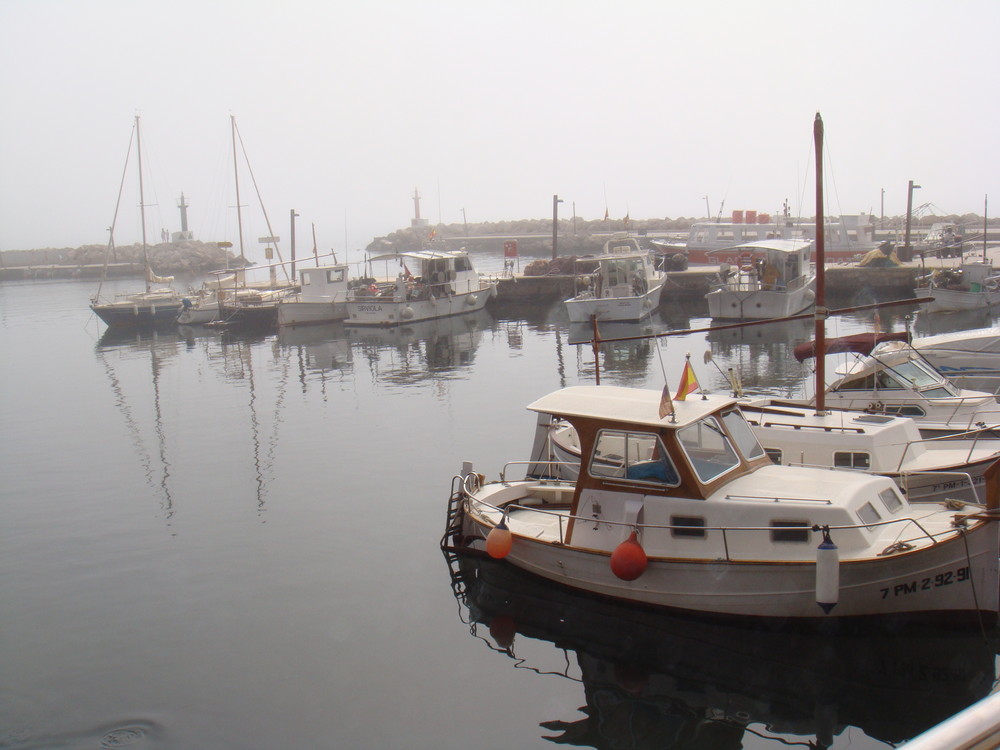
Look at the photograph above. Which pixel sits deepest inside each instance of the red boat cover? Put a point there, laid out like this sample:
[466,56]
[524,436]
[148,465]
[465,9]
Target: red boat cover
[861,343]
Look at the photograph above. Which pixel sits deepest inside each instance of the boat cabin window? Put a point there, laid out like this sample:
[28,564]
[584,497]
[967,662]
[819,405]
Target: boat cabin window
[917,374]
[939,392]
[851,460]
[632,456]
[864,383]
[868,514]
[462,263]
[687,526]
[790,531]
[891,499]
[905,410]
[886,381]
[708,449]
[743,434]
[774,454]
[335,275]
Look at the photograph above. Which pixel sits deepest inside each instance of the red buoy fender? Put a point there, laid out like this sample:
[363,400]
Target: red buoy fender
[629,561]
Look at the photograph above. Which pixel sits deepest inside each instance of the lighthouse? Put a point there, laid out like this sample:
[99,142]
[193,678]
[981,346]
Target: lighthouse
[184,234]
[416,221]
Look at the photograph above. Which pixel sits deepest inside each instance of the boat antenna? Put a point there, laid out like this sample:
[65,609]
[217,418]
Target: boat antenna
[821,311]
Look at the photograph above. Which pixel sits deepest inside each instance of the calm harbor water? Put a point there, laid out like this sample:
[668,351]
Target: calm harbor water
[217,541]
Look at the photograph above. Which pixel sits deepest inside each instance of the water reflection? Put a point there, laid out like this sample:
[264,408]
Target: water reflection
[425,350]
[653,680]
[117,347]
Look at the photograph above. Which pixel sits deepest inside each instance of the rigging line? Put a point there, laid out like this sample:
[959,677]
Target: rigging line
[260,199]
[114,219]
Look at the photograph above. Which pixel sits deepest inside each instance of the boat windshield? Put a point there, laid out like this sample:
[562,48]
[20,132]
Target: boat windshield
[743,434]
[634,456]
[708,448]
[919,375]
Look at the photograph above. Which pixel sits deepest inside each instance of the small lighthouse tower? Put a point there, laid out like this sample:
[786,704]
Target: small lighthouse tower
[416,221]
[184,234]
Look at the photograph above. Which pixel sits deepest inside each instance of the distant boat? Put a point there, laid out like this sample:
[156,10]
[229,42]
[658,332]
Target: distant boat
[155,305]
[445,283]
[848,236]
[970,286]
[771,279]
[625,286]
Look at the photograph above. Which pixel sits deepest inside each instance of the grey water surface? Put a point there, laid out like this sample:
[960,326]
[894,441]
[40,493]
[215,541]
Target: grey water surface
[213,540]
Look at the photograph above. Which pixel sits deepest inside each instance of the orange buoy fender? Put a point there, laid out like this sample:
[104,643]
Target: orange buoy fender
[629,561]
[498,541]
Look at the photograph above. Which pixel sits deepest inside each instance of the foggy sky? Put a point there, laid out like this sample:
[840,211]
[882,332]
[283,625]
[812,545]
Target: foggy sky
[642,108]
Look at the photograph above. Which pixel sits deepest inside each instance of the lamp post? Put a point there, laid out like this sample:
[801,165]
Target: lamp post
[881,218]
[907,250]
[555,223]
[465,223]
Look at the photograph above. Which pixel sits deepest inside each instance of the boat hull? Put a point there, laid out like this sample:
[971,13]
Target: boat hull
[199,315]
[583,309]
[952,300]
[295,313]
[759,304]
[947,578]
[379,311]
[123,315]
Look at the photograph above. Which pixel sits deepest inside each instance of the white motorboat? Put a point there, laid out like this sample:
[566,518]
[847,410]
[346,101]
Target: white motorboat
[625,286]
[891,377]
[445,283]
[772,279]
[970,286]
[925,469]
[322,297]
[967,353]
[677,505]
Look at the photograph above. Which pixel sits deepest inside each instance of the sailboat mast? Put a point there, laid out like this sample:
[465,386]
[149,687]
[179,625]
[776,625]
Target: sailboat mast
[821,311]
[142,202]
[236,174]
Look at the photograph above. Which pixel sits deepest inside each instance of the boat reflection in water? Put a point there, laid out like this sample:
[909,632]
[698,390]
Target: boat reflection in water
[622,362]
[424,350]
[655,680]
[320,349]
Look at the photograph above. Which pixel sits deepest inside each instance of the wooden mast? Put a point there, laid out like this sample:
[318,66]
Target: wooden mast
[821,311]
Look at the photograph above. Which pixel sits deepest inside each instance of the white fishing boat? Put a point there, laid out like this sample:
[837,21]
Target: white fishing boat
[624,287]
[322,297]
[973,353]
[970,286]
[445,283]
[156,304]
[891,377]
[771,279]
[677,505]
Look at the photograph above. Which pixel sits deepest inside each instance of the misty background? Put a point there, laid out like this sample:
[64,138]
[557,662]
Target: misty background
[647,109]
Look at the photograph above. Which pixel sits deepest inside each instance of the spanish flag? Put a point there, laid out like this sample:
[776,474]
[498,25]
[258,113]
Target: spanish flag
[433,234]
[688,384]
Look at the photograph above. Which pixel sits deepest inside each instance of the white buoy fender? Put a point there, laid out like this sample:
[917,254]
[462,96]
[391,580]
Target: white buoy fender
[827,573]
